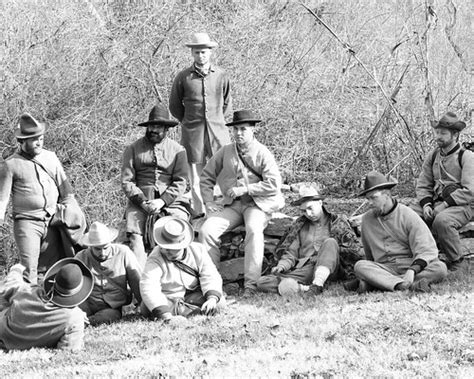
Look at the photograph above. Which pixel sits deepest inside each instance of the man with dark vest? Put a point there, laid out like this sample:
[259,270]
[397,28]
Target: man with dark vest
[445,189]
[154,178]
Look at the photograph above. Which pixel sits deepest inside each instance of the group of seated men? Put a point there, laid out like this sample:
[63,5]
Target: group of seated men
[180,277]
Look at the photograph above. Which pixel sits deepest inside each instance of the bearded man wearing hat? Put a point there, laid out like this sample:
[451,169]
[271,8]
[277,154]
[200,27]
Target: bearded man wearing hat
[180,279]
[37,182]
[400,251]
[154,178]
[46,316]
[445,189]
[200,99]
[250,181]
[116,271]
[319,246]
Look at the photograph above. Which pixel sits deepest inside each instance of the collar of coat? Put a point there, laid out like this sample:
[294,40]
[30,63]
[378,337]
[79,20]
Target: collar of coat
[453,150]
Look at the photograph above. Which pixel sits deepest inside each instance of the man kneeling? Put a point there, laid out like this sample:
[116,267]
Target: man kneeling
[180,278]
[401,252]
[313,249]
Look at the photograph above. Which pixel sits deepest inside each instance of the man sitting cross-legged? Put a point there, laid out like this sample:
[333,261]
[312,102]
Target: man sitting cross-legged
[312,249]
[179,278]
[116,272]
[401,252]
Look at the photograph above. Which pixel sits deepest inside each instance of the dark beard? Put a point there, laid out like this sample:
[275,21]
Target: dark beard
[154,137]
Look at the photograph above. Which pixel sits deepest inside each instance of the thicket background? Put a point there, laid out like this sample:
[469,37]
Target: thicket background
[93,69]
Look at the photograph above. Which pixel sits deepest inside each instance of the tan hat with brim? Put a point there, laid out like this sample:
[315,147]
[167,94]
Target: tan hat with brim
[98,235]
[201,40]
[376,181]
[173,233]
[29,127]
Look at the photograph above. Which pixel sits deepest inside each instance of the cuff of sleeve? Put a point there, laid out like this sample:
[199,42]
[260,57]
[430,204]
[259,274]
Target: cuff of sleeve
[418,265]
[167,198]
[138,199]
[160,312]
[450,201]
[210,293]
[426,200]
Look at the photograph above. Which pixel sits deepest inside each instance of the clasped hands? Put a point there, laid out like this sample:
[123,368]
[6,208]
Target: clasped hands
[153,206]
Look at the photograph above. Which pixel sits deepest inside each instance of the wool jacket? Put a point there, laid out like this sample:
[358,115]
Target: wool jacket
[148,168]
[440,170]
[201,103]
[34,193]
[122,268]
[303,240]
[226,169]
[162,279]
[400,237]
[31,321]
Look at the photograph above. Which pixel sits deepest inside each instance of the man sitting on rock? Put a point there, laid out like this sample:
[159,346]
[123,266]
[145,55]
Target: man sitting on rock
[319,246]
[400,251]
[115,268]
[180,279]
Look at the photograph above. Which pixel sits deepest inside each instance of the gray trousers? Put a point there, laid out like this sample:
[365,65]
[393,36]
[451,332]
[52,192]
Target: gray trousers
[386,276]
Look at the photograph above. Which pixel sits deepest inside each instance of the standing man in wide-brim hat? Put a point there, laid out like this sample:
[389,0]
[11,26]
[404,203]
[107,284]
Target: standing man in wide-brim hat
[250,181]
[37,182]
[180,279]
[400,251]
[116,271]
[46,316]
[200,99]
[445,189]
[154,179]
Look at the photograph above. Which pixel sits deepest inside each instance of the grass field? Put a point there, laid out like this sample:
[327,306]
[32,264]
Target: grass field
[335,335]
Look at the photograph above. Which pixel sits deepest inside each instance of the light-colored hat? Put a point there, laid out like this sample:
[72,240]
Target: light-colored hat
[172,233]
[29,127]
[288,287]
[68,282]
[201,40]
[375,180]
[99,234]
[307,193]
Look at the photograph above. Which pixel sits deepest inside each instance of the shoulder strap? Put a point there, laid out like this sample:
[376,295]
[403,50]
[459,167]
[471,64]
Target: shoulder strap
[461,153]
[247,165]
[433,156]
[184,267]
[109,279]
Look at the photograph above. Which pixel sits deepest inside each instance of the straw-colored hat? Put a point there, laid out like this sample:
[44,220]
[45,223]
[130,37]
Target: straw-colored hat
[98,235]
[29,127]
[172,233]
[201,40]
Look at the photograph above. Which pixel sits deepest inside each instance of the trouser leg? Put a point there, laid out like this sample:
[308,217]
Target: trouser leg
[138,247]
[377,275]
[195,170]
[435,272]
[328,255]
[28,235]
[255,222]
[105,316]
[445,230]
[214,226]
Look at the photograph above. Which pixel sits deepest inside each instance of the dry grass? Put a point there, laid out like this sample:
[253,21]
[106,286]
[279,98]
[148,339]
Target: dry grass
[335,335]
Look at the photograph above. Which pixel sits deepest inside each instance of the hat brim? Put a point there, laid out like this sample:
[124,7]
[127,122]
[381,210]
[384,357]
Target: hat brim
[159,224]
[77,298]
[307,198]
[457,126]
[251,121]
[20,135]
[159,122]
[113,233]
[209,45]
[380,186]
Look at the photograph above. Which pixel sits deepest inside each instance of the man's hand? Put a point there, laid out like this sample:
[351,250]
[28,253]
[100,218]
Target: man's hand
[213,207]
[277,270]
[408,279]
[156,205]
[209,308]
[236,192]
[439,208]
[428,212]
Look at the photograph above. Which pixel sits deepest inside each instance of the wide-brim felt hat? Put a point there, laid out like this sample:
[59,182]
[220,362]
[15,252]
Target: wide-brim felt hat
[98,235]
[201,40]
[450,121]
[307,193]
[68,282]
[244,116]
[29,127]
[171,232]
[159,115]
[376,181]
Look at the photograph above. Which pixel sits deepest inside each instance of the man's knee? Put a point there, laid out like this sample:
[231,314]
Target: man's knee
[442,222]
[361,266]
[330,244]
